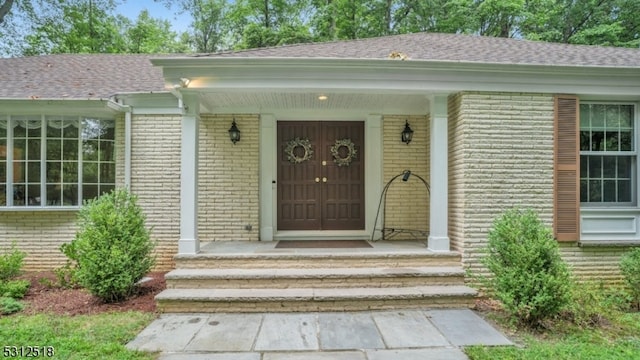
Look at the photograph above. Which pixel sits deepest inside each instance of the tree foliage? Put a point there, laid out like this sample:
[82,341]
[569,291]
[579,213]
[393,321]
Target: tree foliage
[82,26]
[35,26]
[78,27]
[151,36]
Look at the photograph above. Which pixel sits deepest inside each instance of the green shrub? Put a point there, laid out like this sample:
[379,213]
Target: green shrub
[529,277]
[14,288]
[630,267]
[112,249]
[593,304]
[11,263]
[10,305]
[67,275]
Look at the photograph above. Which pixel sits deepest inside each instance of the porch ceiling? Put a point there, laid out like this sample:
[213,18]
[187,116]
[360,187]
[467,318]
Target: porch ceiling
[309,102]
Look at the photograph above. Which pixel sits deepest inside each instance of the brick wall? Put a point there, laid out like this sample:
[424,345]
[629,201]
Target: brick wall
[228,179]
[155,178]
[407,202]
[39,234]
[501,156]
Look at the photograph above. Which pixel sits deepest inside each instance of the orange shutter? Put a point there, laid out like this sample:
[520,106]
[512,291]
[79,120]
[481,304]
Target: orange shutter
[566,207]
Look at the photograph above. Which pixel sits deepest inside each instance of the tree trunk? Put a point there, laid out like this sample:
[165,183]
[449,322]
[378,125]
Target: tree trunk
[332,26]
[4,9]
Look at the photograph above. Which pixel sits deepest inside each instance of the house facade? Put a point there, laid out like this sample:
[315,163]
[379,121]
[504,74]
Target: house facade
[497,123]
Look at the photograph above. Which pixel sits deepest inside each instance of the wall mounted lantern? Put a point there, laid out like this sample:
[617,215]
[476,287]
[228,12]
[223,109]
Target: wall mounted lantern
[407,133]
[234,132]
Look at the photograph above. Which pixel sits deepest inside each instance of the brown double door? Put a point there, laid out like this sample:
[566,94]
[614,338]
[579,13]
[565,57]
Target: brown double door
[318,189]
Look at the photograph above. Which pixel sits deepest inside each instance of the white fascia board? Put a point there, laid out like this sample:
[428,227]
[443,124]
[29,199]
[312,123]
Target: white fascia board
[61,106]
[264,74]
[155,103]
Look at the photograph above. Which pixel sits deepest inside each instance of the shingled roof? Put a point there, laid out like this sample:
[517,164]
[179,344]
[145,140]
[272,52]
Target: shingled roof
[456,48]
[103,75]
[78,76]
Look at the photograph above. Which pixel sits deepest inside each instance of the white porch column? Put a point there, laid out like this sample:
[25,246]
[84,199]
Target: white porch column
[267,176]
[189,242]
[374,182]
[439,206]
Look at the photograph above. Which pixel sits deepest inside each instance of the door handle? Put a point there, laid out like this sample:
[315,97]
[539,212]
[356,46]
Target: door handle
[324,179]
[317,180]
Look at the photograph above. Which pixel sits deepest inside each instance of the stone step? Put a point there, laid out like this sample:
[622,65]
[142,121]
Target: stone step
[316,278]
[320,259]
[314,299]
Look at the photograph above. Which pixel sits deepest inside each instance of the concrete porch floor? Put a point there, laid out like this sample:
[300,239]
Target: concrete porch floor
[269,247]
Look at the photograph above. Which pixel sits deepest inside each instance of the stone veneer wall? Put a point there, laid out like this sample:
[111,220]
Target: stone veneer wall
[407,202]
[456,173]
[501,156]
[228,179]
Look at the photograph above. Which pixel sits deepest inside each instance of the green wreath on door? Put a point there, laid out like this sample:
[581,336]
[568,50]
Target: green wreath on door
[350,153]
[292,145]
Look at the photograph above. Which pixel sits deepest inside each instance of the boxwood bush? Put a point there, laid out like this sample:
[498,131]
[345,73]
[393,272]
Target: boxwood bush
[10,289]
[529,277]
[112,249]
[630,268]
[11,262]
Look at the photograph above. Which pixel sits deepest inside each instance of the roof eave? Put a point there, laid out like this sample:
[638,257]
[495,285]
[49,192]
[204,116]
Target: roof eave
[62,104]
[329,62]
[412,76]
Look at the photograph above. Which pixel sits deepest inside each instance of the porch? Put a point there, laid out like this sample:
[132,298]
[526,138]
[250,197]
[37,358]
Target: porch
[279,108]
[243,276]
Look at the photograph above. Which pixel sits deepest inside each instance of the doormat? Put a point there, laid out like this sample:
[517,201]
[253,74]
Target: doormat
[322,244]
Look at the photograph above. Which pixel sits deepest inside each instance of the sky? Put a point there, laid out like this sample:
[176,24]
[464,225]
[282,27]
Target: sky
[132,8]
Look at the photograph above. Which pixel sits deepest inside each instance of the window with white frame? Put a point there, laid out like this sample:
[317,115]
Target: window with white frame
[55,161]
[607,154]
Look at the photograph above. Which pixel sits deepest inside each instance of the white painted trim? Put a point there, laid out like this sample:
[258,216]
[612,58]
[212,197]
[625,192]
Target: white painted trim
[603,225]
[373,171]
[189,242]
[613,228]
[383,76]
[38,208]
[157,111]
[267,176]
[438,199]
[127,149]
[60,107]
[9,164]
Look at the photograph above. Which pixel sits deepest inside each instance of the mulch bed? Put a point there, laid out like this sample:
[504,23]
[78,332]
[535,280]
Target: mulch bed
[44,298]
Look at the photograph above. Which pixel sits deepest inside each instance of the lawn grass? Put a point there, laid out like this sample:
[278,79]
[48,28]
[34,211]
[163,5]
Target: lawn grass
[618,339]
[99,336]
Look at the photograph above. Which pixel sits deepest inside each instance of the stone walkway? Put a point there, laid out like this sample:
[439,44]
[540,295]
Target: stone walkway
[371,335]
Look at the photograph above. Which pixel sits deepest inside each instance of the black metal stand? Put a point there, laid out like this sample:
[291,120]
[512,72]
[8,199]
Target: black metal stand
[388,233]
